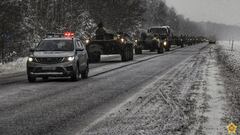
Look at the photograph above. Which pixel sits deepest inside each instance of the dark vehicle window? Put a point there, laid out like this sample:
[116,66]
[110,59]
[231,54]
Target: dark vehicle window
[55,45]
[159,31]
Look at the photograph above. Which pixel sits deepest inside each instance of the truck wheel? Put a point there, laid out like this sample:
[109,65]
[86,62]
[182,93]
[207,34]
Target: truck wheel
[31,79]
[131,53]
[124,55]
[45,78]
[94,58]
[138,51]
[98,58]
[75,75]
[128,54]
[84,75]
[152,50]
[160,50]
[168,48]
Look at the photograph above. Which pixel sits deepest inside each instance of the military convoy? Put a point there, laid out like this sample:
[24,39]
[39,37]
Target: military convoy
[64,55]
[161,38]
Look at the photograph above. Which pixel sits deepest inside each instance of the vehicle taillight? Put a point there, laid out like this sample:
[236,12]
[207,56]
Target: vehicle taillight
[68,34]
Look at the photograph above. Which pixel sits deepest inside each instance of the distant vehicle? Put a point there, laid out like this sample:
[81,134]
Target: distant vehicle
[178,40]
[112,43]
[165,35]
[58,55]
[148,41]
[212,40]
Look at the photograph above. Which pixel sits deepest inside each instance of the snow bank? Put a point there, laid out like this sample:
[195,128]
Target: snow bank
[13,67]
[231,58]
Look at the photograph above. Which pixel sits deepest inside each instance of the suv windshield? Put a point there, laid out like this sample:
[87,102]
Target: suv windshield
[160,31]
[55,45]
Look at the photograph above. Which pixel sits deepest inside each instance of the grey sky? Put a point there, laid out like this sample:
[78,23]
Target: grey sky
[221,11]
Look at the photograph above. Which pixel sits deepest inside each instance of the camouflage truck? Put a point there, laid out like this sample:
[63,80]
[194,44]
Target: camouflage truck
[148,41]
[112,43]
[164,35]
[178,40]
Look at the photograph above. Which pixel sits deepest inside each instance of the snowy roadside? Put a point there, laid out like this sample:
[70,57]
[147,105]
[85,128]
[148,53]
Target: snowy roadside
[230,58]
[13,67]
[230,69]
[183,101]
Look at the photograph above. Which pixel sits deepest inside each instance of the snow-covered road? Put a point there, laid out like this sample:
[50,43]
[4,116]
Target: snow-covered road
[169,93]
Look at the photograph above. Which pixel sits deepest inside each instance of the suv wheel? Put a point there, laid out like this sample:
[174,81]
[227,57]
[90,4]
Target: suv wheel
[75,75]
[84,75]
[124,55]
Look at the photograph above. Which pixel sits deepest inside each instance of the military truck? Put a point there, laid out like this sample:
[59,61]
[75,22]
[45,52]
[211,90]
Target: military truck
[164,34]
[148,41]
[178,40]
[112,43]
[212,40]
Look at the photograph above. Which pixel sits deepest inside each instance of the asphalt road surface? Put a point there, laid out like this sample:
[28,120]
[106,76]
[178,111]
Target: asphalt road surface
[62,107]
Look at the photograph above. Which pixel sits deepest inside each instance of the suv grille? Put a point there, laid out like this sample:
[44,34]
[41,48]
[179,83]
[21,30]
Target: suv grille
[49,60]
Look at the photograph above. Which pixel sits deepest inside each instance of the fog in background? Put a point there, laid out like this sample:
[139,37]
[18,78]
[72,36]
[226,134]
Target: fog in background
[26,22]
[216,17]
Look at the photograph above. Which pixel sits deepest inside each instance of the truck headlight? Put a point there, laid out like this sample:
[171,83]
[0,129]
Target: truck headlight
[70,58]
[165,43]
[122,40]
[87,41]
[30,59]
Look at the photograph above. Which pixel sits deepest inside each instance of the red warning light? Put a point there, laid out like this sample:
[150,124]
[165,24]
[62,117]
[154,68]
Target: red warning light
[68,34]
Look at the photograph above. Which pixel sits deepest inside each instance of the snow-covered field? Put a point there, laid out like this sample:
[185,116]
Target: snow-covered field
[12,67]
[230,57]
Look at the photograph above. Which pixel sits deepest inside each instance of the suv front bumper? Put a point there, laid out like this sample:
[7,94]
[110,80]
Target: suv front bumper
[51,70]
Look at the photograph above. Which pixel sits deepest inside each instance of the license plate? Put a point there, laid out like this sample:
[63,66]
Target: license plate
[49,68]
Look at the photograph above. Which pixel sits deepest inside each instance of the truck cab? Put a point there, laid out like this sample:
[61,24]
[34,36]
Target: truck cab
[165,35]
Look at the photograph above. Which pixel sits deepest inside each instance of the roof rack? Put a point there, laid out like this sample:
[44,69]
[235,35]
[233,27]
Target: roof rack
[54,35]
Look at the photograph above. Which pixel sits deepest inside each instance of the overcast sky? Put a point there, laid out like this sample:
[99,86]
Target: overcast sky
[221,11]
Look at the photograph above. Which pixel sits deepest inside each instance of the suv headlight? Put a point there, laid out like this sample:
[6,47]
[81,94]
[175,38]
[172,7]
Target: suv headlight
[70,58]
[165,43]
[87,41]
[30,59]
[122,40]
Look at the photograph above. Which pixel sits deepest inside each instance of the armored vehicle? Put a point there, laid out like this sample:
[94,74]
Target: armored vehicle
[111,43]
[165,35]
[148,41]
